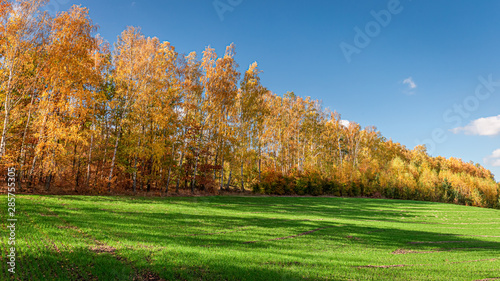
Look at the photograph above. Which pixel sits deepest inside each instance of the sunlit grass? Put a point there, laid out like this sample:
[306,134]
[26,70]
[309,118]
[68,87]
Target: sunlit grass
[208,238]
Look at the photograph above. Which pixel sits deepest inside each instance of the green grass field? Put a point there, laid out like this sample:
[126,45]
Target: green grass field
[249,238]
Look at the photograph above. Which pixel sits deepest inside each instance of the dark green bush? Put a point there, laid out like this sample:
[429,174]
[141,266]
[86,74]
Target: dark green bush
[256,188]
[300,186]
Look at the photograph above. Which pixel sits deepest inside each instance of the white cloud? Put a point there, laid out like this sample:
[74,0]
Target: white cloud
[489,126]
[410,83]
[345,123]
[493,159]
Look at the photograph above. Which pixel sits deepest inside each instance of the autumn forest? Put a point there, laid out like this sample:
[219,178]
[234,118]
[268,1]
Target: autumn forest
[83,115]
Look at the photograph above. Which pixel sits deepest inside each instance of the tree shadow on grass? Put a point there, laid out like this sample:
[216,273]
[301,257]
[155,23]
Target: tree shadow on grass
[78,264]
[199,242]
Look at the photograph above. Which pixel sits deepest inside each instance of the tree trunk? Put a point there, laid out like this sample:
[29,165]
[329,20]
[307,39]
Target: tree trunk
[192,186]
[7,111]
[134,177]
[229,179]
[32,170]
[215,164]
[134,184]
[113,160]
[222,156]
[242,180]
[4,130]
[260,159]
[77,180]
[151,174]
[87,180]
[196,160]
[35,157]
[22,156]
[48,181]
[106,141]
[180,172]
[168,179]
[340,151]
[222,173]
[75,171]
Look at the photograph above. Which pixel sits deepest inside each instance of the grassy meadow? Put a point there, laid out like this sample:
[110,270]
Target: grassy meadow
[249,238]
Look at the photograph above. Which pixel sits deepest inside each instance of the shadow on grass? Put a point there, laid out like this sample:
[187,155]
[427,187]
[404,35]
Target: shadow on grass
[204,238]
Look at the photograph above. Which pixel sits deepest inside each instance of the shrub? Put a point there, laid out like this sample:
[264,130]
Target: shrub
[256,188]
[277,187]
[289,186]
[300,186]
[267,188]
[315,188]
[355,190]
[327,186]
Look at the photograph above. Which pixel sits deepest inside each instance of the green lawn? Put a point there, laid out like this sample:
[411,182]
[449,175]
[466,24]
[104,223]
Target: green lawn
[249,238]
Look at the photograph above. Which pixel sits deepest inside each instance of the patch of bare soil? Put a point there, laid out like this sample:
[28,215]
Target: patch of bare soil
[148,276]
[438,242]
[292,236]
[259,205]
[387,266]
[55,246]
[103,249]
[379,230]
[491,236]
[473,223]
[107,210]
[139,275]
[417,222]
[214,233]
[488,279]
[403,265]
[473,261]
[48,215]
[353,237]
[284,264]
[295,219]
[404,251]
[66,227]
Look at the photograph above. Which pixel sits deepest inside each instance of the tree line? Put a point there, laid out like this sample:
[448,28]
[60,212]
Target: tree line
[80,113]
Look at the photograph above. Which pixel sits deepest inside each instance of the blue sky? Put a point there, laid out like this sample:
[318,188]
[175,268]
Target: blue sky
[420,76]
